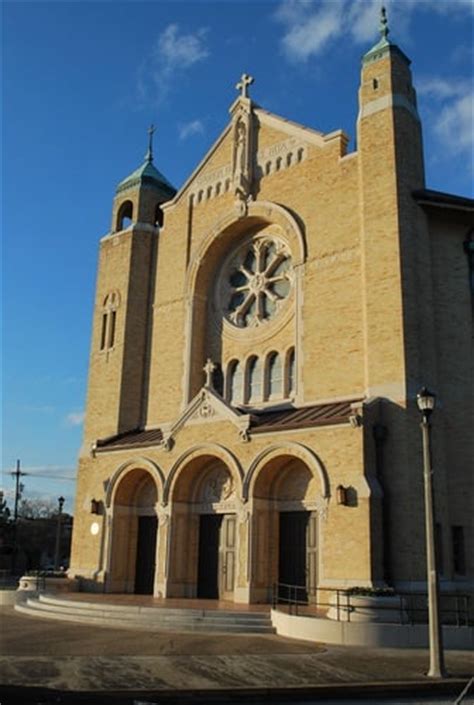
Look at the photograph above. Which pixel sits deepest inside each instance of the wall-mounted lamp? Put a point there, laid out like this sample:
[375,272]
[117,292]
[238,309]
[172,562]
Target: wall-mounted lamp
[341,494]
[95,505]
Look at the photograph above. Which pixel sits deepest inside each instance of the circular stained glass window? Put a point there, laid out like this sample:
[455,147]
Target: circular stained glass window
[257,282]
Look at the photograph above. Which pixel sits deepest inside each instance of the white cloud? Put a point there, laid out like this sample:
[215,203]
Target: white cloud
[450,112]
[174,52]
[310,26]
[75,418]
[181,50]
[195,127]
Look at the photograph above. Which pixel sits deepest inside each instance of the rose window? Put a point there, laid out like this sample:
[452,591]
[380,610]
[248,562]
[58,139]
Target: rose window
[259,280]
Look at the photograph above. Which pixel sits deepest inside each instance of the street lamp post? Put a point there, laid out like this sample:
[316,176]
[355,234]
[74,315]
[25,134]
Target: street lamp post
[58,534]
[426,404]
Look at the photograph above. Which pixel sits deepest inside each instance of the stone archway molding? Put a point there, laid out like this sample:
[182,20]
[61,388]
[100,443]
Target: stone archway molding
[296,450]
[265,211]
[128,466]
[197,451]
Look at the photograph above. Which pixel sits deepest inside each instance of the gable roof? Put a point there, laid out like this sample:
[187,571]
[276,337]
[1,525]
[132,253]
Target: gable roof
[329,414]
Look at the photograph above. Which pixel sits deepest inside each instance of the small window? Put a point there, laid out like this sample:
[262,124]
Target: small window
[278,164]
[458,548]
[234,383]
[268,168]
[125,215]
[290,373]
[274,376]
[103,335]
[289,159]
[218,188]
[227,184]
[299,155]
[200,195]
[254,380]
[209,192]
[375,84]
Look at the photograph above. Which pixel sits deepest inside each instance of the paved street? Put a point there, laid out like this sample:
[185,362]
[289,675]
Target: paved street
[42,653]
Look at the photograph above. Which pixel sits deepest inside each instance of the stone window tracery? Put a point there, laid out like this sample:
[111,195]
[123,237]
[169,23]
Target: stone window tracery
[258,279]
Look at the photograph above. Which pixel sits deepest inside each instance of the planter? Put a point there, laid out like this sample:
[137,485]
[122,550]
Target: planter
[33,583]
[388,609]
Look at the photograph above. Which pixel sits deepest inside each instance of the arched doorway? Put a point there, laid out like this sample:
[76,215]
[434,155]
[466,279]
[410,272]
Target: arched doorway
[285,528]
[134,534]
[204,531]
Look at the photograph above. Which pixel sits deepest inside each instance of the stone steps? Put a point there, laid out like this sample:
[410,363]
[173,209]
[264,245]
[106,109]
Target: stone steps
[147,618]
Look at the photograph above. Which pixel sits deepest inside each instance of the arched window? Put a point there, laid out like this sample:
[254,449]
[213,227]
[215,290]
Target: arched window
[218,188]
[125,215]
[158,216]
[299,155]
[289,159]
[278,164]
[254,380]
[109,321]
[268,168]
[274,376]
[290,373]
[234,383]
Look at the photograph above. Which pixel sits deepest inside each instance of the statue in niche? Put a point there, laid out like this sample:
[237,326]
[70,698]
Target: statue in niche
[218,486]
[240,145]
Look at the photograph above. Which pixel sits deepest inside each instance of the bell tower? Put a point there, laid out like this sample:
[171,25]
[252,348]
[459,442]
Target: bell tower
[393,230]
[123,304]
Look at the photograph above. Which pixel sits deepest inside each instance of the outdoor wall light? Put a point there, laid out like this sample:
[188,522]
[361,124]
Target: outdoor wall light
[341,494]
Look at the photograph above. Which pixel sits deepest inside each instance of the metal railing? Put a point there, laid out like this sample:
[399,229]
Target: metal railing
[404,608]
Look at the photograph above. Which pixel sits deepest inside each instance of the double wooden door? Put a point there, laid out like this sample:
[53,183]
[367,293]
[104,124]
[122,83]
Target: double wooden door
[216,559]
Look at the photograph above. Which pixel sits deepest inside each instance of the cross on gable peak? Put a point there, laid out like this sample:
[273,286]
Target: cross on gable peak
[243,85]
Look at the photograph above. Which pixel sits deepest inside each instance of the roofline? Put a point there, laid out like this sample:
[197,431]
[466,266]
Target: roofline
[439,199]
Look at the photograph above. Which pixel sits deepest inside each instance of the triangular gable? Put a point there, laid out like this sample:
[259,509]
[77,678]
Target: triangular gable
[297,135]
[206,407]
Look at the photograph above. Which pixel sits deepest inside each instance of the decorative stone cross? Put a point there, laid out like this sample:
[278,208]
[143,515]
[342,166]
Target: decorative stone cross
[209,368]
[243,85]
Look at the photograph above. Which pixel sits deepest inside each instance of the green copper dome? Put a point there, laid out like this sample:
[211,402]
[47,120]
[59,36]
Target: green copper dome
[148,175]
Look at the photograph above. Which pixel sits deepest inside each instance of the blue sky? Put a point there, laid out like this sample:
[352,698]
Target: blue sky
[81,83]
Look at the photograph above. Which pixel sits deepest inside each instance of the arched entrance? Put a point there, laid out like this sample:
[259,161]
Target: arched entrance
[285,527]
[134,534]
[204,531]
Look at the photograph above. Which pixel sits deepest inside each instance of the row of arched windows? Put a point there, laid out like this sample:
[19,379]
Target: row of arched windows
[258,380]
[125,216]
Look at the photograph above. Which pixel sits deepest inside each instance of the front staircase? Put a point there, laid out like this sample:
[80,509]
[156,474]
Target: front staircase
[141,617]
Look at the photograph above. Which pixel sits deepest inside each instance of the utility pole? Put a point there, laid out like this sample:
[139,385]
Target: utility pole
[17,474]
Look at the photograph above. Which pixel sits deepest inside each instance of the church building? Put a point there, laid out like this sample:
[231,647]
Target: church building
[259,339]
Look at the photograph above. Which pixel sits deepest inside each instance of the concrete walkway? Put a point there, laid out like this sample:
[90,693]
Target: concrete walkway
[38,653]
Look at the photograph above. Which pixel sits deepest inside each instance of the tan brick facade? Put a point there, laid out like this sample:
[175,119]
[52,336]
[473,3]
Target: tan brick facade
[310,277]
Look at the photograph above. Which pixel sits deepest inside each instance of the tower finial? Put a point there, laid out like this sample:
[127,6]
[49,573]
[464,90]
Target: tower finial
[384,30]
[149,154]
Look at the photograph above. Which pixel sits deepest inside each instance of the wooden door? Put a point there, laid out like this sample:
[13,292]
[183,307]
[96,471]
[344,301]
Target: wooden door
[208,556]
[145,560]
[293,554]
[227,557]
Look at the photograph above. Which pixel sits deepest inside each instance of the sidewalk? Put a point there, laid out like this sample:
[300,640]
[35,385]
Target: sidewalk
[98,661]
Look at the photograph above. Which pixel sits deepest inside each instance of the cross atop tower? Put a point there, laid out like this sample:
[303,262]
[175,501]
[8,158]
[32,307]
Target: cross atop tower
[243,85]
[149,154]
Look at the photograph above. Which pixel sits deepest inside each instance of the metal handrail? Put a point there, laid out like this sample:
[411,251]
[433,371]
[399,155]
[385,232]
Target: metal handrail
[297,596]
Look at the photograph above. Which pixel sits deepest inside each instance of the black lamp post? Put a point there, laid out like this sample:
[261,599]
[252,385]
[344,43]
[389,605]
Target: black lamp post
[426,404]
[61,501]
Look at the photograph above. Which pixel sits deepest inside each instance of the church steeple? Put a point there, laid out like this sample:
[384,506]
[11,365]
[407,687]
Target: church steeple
[139,196]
